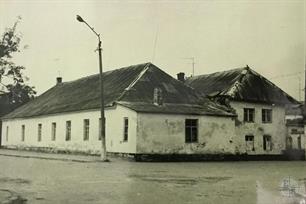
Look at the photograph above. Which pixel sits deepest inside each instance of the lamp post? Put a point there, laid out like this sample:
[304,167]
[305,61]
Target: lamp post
[103,145]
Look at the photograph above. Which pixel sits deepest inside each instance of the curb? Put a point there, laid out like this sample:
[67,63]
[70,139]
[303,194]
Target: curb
[47,158]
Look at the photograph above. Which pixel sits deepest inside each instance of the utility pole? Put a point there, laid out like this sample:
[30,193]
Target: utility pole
[305,94]
[103,144]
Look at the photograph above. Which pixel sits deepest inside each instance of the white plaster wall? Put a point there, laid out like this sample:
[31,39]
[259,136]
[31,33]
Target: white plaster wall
[114,131]
[276,129]
[165,134]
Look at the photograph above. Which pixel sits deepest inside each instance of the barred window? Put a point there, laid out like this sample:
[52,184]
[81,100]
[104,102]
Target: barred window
[191,130]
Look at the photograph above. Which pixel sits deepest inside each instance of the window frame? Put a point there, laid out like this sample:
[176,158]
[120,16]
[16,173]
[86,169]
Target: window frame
[53,131]
[125,129]
[191,128]
[39,132]
[247,141]
[68,130]
[265,146]
[246,115]
[86,125]
[7,133]
[265,112]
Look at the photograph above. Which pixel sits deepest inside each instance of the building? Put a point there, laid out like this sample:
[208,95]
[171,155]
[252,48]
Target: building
[260,126]
[147,113]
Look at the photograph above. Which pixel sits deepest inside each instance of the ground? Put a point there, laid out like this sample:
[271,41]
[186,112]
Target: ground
[120,181]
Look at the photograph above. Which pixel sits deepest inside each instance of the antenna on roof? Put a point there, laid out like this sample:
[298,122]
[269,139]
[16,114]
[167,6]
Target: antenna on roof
[155,42]
[192,63]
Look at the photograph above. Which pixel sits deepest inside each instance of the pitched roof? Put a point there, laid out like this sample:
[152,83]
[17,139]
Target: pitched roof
[129,85]
[242,84]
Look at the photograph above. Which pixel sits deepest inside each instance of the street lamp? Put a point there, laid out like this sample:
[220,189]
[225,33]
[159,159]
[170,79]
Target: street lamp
[103,145]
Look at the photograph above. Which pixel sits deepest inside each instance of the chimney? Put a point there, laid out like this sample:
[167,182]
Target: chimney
[158,97]
[59,80]
[181,77]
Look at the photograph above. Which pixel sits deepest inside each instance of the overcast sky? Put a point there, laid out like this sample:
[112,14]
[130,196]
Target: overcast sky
[267,35]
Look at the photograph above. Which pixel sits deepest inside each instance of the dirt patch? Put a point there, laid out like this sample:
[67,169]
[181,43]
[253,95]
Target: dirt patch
[179,180]
[11,197]
[14,180]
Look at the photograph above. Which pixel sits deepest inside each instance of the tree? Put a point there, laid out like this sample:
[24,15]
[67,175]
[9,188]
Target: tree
[12,79]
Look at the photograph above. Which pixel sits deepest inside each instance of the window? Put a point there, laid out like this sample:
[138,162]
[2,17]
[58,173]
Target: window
[7,133]
[86,129]
[294,131]
[299,141]
[249,114]
[191,130]
[39,132]
[53,131]
[126,129]
[289,142]
[100,127]
[266,115]
[249,142]
[267,142]
[68,130]
[22,133]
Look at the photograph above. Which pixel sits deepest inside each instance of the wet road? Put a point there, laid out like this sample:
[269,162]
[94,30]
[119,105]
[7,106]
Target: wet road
[51,181]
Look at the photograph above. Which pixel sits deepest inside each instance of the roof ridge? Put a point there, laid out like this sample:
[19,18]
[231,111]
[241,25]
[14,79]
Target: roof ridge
[234,69]
[144,70]
[106,72]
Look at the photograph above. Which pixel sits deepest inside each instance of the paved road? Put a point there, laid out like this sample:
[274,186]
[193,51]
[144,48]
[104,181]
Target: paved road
[56,181]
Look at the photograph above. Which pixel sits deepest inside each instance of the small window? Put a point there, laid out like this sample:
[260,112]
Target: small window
[294,131]
[22,133]
[266,115]
[126,129]
[68,130]
[249,140]
[39,132]
[289,142]
[53,131]
[7,133]
[100,128]
[86,129]
[299,141]
[267,142]
[191,130]
[249,115]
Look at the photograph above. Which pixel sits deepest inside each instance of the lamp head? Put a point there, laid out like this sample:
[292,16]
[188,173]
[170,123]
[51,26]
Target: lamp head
[79,18]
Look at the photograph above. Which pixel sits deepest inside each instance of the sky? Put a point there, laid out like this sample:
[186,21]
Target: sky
[267,35]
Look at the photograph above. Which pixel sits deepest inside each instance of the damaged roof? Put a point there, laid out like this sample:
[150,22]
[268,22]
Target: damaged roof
[131,86]
[242,84]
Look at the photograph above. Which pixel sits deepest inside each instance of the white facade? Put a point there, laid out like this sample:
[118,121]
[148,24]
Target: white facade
[12,131]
